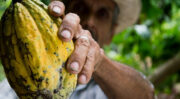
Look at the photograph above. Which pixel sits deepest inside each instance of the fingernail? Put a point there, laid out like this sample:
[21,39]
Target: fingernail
[56,9]
[66,34]
[74,66]
[82,79]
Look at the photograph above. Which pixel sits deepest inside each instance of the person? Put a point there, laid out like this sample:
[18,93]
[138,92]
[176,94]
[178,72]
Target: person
[91,24]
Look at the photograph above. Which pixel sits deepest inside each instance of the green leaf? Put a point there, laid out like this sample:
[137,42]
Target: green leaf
[4,4]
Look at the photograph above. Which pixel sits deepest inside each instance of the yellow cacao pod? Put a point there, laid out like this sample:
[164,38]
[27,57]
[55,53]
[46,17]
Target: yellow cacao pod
[33,56]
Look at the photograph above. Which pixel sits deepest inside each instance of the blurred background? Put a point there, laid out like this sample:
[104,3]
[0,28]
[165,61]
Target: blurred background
[151,46]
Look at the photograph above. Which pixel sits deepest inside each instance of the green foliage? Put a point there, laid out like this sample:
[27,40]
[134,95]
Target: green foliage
[4,4]
[153,41]
[46,1]
[2,75]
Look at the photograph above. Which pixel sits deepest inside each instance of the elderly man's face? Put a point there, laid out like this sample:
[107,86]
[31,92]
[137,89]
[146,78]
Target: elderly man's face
[96,16]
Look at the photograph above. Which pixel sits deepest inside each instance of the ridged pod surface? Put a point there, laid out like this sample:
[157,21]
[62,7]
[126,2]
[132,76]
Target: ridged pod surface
[33,56]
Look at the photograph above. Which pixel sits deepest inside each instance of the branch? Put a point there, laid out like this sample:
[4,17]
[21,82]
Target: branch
[166,69]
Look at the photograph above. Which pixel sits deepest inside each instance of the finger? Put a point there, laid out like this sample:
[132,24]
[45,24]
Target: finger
[56,8]
[70,25]
[78,57]
[86,73]
[85,32]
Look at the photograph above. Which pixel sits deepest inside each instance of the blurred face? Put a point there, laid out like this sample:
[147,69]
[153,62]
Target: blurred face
[96,16]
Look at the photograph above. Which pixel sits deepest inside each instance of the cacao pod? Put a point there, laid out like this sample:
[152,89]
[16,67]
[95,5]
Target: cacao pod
[33,56]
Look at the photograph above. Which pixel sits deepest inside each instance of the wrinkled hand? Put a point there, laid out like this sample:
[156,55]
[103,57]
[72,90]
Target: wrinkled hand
[87,54]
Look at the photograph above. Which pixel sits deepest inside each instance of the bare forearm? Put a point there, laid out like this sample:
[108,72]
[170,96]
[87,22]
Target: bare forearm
[120,81]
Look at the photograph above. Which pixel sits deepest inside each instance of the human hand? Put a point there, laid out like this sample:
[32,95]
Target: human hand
[87,54]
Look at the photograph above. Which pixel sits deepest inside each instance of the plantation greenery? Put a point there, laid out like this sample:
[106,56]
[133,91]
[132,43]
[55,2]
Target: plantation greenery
[153,41]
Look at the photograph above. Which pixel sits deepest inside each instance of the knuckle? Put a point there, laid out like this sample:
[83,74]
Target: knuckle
[75,55]
[72,18]
[74,15]
[66,27]
[84,71]
[101,51]
[95,45]
[78,57]
[87,32]
[83,40]
[90,56]
[71,23]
